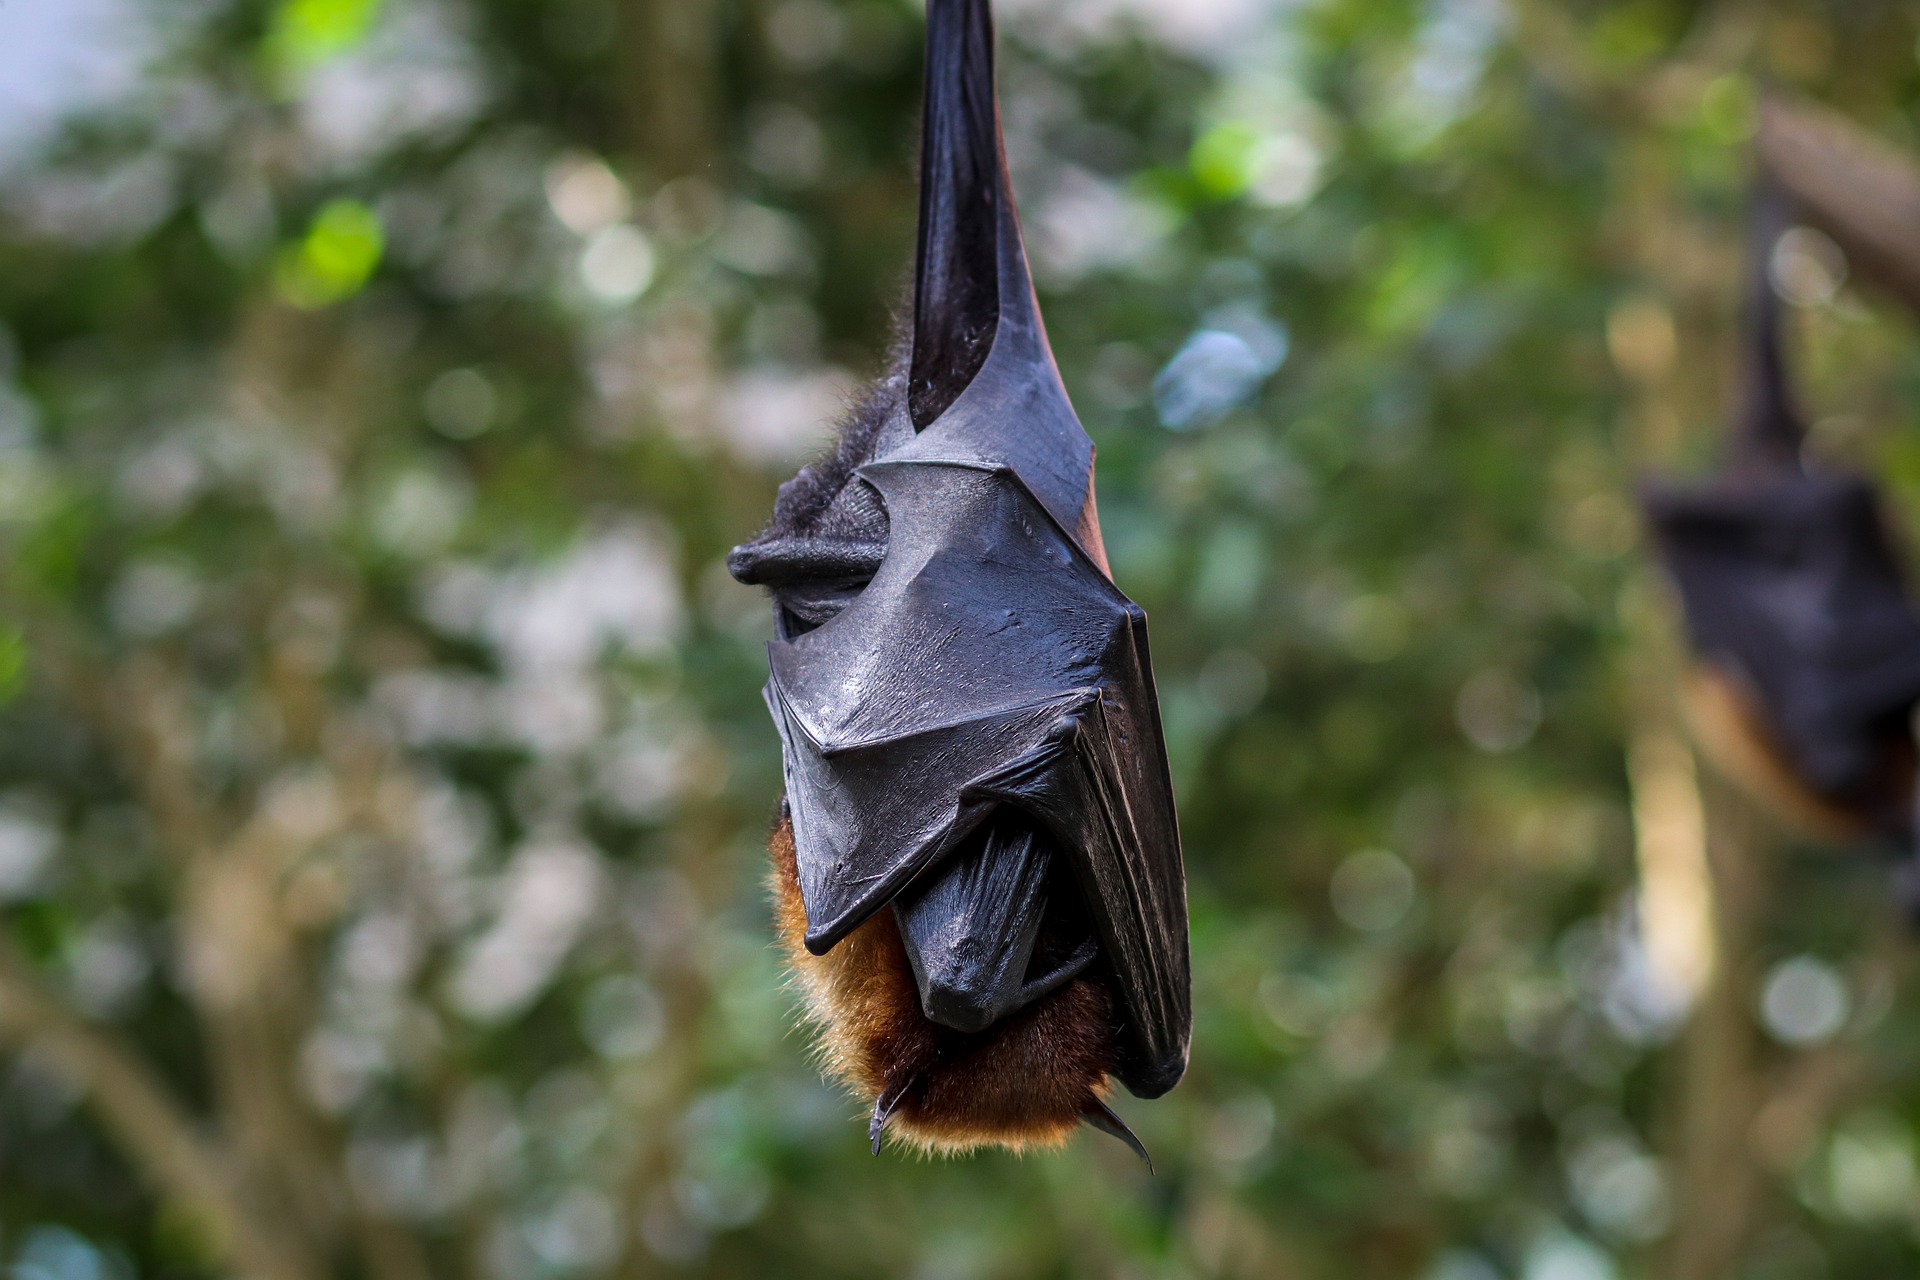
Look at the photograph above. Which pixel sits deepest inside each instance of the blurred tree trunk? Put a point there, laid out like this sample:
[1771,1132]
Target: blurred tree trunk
[670,62]
[1718,1082]
[671,56]
[1706,852]
[1855,187]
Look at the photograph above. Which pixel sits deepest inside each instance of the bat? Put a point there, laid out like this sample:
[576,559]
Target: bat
[1795,601]
[977,874]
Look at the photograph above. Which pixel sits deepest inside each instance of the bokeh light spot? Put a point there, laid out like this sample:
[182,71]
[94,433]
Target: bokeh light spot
[335,259]
[1373,890]
[306,33]
[1804,1002]
[618,265]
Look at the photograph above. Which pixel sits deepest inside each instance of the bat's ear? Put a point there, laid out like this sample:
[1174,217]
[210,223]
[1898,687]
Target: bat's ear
[1768,429]
[967,225]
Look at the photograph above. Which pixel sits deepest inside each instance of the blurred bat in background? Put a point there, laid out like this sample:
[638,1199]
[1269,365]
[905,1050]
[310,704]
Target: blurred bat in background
[1795,600]
[977,873]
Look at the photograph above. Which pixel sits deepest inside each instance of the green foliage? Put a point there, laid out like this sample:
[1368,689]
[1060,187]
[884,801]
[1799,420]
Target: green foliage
[382,767]
[306,33]
[335,258]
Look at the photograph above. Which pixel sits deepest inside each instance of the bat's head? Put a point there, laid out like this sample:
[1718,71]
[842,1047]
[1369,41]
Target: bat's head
[984,863]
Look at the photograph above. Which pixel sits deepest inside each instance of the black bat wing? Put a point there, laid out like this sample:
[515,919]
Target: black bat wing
[1125,851]
[964,199]
[992,663]
[983,382]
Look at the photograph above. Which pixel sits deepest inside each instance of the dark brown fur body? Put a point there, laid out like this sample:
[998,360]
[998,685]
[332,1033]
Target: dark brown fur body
[1024,1083]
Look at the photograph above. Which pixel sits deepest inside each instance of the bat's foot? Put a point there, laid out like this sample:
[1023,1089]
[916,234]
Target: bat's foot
[1101,1116]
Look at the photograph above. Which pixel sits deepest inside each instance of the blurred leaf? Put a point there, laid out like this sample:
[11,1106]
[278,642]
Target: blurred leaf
[306,33]
[337,257]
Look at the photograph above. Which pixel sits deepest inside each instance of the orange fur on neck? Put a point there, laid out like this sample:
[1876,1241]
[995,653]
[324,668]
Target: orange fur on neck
[1023,1083]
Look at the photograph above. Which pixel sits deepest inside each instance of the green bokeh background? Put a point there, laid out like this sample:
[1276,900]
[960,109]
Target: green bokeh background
[383,775]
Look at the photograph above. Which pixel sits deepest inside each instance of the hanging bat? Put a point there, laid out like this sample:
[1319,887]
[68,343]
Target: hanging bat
[1796,604]
[977,873]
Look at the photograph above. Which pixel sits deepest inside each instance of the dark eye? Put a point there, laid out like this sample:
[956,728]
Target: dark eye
[789,625]
[802,606]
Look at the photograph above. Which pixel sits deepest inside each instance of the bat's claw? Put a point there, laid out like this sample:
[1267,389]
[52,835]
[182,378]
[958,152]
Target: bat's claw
[1101,1116]
[883,1108]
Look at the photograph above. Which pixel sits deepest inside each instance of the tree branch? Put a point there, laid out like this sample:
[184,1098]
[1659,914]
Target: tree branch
[1858,189]
[153,1130]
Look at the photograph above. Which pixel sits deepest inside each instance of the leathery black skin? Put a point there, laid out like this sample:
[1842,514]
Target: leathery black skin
[1792,590]
[965,701]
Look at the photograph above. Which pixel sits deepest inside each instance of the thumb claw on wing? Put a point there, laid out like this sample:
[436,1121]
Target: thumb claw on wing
[883,1108]
[1101,1116]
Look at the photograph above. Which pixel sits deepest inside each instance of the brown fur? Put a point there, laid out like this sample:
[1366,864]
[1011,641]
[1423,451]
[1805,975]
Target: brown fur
[1021,1084]
[1733,734]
